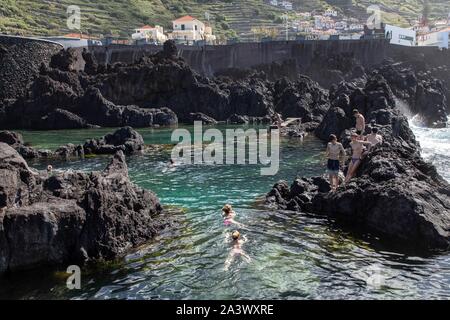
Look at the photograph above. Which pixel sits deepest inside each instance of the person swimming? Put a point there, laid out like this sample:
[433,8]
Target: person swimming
[357,151]
[237,241]
[335,154]
[229,215]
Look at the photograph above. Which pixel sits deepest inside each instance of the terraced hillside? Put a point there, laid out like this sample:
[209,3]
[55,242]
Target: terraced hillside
[229,18]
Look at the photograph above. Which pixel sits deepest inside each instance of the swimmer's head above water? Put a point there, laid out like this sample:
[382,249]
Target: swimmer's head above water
[227,209]
[235,235]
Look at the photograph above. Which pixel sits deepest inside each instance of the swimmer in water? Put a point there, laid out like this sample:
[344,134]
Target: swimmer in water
[237,250]
[229,215]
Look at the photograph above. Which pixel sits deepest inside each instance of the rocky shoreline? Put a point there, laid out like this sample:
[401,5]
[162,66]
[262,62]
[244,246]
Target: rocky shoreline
[395,193]
[71,217]
[124,139]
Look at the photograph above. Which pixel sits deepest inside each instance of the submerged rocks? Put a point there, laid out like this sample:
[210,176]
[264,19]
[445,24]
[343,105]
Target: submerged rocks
[71,217]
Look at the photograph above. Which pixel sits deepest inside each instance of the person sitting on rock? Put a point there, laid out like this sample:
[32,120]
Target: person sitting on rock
[360,122]
[229,215]
[237,250]
[357,151]
[335,154]
[374,138]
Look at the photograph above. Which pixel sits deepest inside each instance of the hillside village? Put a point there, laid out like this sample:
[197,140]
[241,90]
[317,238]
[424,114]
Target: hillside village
[291,22]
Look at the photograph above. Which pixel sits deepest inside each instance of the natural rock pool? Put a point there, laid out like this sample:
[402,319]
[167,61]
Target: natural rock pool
[294,256]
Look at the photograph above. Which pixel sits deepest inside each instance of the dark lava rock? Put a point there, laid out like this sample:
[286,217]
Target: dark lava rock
[64,60]
[15,140]
[203,118]
[71,217]
[395,193]
[423,93]
[124,139]
[303,99]
[20,60]
[11,138]
[62,119]
[238,119]
[69,151]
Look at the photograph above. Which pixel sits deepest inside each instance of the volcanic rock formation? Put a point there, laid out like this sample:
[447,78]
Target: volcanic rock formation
[395,194]
[71,217]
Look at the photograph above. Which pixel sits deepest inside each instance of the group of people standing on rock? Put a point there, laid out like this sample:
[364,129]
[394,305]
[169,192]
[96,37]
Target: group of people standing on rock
[359,144]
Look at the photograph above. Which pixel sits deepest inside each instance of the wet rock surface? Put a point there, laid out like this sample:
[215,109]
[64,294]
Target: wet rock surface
[71,217]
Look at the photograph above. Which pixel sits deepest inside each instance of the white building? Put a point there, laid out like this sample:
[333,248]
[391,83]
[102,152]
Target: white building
[304,14]
[286,5]
[401,36]
[274,3]
[150,34]
[341,25]
[189,30]
[355,27]
[438,39]
[330,13]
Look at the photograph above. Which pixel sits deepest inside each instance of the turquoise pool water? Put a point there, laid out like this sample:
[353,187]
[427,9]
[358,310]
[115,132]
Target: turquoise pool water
[294,256]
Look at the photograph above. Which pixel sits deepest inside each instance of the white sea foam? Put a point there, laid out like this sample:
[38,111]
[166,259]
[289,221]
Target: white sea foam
[435,145]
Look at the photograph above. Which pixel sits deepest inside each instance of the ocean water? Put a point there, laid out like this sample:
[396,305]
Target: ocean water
[294,256]
[435,144]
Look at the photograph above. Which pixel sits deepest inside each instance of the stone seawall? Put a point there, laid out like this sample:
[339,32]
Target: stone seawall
[210,59]
[20,59]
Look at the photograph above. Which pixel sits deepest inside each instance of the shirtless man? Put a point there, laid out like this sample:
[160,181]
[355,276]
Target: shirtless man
[335,155]
[374,138]
[357,151]
[360,123]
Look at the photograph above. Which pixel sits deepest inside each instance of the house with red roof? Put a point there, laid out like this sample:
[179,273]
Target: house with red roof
[189,30]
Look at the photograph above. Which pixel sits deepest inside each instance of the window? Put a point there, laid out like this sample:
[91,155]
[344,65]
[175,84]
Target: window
[183,27]
[196,27]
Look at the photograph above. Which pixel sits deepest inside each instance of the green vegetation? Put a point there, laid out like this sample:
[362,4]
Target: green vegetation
[229,18]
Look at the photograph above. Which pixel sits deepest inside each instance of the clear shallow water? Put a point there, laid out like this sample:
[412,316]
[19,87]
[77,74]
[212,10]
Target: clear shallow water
[294,256]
